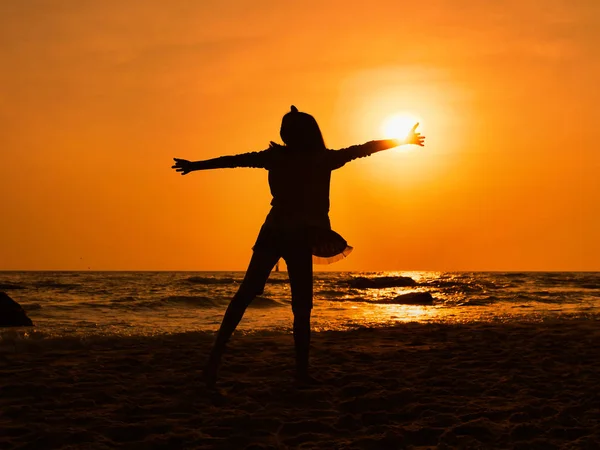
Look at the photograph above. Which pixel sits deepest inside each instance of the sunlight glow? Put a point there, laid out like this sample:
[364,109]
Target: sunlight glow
[397,126]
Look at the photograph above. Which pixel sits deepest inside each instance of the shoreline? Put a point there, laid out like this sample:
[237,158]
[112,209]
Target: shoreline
[476,385]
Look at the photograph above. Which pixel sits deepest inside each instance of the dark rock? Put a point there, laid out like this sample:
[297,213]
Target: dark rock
[413,298]
[381,282]
[12,314]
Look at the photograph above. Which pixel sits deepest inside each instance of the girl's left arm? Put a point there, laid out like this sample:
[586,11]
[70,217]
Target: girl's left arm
[341,157]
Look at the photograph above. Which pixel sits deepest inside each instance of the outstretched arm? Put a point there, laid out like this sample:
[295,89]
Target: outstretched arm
[253,159]
[341,157]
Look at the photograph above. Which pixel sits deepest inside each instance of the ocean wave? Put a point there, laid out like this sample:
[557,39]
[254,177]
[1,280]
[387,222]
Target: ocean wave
[31,306]
[11,286]
[278,281]
[513,274]
[229,280]
[331,293]
[85,304]
[521,296]
[196,301]
[202,301]
[541,293]
[556,299]
[210,280]
[129,302]
[465,285]
[378,282]
[127,299]
[569,278]
[478,301]
[442,284]
[410,298]
[264,302]
[55,284]
[190,300]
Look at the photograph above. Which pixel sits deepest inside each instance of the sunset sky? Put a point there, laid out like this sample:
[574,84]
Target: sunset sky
[97,97]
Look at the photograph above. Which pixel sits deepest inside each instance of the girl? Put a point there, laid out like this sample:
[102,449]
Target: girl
[296,229]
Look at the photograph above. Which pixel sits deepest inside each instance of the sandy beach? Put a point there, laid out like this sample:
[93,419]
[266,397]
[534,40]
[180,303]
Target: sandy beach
[519,385]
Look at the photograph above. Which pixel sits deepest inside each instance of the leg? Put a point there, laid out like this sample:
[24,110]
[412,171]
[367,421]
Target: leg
[299,265]
[302,343]
[260,267]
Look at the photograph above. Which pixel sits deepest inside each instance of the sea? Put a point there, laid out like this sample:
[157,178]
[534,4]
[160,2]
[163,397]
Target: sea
[74,308]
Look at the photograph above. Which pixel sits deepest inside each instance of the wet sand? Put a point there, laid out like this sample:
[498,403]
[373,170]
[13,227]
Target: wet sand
[520,385]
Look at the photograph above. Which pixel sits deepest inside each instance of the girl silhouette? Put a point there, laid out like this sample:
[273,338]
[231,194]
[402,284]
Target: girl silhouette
[296,229]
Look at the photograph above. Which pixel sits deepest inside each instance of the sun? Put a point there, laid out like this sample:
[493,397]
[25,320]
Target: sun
[398,126]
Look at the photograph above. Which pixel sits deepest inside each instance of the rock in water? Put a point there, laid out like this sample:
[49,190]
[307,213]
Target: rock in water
[414,298]
[12,314]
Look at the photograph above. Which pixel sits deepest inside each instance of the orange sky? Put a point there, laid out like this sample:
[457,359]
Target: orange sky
[96,97]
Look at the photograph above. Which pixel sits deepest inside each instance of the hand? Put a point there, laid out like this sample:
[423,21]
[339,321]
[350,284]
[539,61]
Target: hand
[415,138]
[182,165]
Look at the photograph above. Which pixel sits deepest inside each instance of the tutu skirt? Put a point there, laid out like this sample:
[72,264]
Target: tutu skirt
[326,245]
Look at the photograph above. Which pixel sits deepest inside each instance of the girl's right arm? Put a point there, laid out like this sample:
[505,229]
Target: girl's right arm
[253,159]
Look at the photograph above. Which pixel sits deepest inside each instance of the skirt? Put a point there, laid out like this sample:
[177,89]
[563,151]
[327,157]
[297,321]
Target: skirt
[326,245]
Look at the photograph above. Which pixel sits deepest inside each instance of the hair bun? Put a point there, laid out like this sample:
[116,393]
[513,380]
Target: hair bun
[294,109]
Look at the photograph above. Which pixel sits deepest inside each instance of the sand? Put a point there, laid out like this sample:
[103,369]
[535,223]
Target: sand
[522,386]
